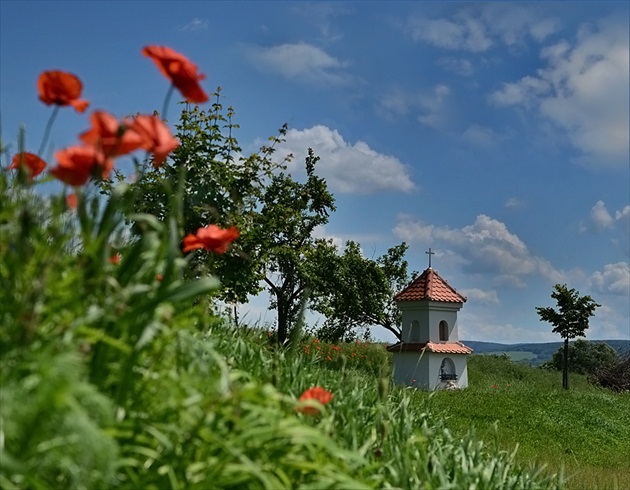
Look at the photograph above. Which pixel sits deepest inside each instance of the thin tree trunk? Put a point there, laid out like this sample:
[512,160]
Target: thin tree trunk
[565,365]
[283,319]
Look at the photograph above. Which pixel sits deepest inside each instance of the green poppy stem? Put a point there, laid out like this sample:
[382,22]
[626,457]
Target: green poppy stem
[167,100]
[51,120]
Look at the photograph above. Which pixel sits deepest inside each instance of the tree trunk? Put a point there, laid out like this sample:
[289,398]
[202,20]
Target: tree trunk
[283,319]
[565,365]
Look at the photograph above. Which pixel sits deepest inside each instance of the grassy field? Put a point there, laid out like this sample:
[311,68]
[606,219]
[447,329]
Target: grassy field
[584,431]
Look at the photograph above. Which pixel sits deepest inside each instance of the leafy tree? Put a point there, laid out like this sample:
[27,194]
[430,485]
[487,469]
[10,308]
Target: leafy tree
[570,320]
[219,186]
[585,357]
[289,255]
[358,291]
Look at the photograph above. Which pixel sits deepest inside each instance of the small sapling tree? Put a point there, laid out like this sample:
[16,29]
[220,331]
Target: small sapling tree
[570,320]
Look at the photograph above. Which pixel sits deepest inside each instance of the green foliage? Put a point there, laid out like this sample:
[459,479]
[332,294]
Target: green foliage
[570,320]
[54,424]
[614,376]
[355,291]
[585,357]
[218,186]
[289,254]
[115,375]
[122,382]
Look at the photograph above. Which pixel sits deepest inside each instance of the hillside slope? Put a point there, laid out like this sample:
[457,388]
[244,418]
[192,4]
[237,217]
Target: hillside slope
[534,353]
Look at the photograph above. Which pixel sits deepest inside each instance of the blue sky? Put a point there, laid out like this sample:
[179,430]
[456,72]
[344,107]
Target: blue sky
[494,133]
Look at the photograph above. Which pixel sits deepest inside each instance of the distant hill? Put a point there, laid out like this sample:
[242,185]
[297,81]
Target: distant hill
[533,353]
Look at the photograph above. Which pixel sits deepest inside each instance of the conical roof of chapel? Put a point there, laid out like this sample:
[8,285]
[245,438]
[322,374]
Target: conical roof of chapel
[430,286]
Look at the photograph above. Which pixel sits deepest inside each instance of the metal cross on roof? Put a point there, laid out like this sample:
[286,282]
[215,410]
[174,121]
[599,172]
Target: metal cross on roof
[429,253]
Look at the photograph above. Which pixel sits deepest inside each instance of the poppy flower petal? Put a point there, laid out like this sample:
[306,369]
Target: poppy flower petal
[32,162]
[61,88]
[180,71]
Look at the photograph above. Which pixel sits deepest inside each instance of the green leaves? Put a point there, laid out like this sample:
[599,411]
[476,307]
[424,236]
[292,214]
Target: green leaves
[571,318]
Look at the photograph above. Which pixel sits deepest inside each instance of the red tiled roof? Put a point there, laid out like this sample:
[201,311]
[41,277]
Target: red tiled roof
[429,285]
[439,347]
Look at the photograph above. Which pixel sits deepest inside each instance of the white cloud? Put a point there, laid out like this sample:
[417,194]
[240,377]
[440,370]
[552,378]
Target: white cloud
[481,296]
[323,15]
[477,29]
[600,217]
[301,62]
[463,33]
[322,232]
[480,136]
[348,168]
[431,107]
[459,66]
[195,25]
[608,323]
[584,91]
[513,24]
[472,327]
[514,203]
[623,215]
[614,279]
[486,246]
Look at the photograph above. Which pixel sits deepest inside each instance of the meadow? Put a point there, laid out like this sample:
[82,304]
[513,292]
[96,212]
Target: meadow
[583,432]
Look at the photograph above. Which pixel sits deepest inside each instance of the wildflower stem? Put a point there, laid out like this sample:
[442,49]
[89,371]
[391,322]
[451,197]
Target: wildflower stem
[167,100]
[49,124]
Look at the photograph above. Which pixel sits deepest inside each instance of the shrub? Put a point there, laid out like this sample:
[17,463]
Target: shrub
[615,376]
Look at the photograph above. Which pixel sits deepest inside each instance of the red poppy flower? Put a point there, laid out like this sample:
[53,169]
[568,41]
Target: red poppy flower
[111,137]
[72,201]
[77,164]
[62,89]
[156,137]
[32,162]
[211,238]
[317,393]
[179,70]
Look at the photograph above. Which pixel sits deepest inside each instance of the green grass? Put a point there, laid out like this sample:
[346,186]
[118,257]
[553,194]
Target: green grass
[110,378]
[584,431]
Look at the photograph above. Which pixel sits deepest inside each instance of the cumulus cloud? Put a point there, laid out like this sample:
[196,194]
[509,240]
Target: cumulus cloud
[614,279]
[481,296]
[486,246]
[602,219]
[301,62]
[352,168]
[322,232]
[478,29]
[623,215]
[583,90]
